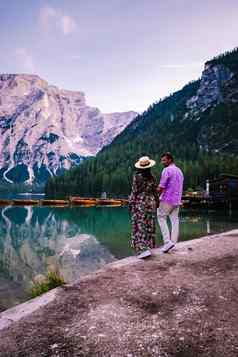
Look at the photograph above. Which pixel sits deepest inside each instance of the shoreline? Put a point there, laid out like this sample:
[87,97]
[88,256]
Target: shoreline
[15,313]
[188,289]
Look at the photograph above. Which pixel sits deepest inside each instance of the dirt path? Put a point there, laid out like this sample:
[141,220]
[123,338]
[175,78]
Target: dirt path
[181,304]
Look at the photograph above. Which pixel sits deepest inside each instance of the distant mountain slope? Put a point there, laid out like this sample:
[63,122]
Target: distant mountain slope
[46,130]
[198,124]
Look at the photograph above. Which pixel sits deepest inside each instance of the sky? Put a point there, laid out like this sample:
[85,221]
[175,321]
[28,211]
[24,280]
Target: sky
[123,54]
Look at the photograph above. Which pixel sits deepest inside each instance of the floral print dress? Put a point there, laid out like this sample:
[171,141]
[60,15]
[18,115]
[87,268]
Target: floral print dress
[143,201]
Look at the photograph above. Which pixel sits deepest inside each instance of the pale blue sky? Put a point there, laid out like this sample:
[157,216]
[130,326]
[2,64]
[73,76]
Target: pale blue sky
[124,54]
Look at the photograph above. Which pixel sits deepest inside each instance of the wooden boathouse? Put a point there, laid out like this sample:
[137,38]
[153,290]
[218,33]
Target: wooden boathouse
[224,188]
[221,192]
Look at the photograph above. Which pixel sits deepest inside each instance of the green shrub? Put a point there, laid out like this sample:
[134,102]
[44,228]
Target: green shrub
[46,283]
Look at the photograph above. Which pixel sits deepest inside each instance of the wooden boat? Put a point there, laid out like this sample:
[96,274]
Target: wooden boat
[112,205]
[88,205]
[124,201]
[54,202]
[25,202]
[5,202]
[81,201]
[88,201]
[110,202]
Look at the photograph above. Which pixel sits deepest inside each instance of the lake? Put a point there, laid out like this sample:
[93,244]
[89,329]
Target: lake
[77,241]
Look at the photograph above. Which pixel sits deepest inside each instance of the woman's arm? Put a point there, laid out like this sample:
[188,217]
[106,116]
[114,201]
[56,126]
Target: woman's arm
[134,191]
[156,192]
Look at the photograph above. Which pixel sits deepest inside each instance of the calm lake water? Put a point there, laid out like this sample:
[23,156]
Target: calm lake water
[76,240]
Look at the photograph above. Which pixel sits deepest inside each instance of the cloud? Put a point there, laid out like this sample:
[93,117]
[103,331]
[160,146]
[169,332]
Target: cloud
[25,59]
[68,24]
[182,66]
[52,17]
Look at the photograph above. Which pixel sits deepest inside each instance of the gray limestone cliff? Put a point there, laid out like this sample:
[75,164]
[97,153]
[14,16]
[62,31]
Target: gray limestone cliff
[212,87]
[46,130]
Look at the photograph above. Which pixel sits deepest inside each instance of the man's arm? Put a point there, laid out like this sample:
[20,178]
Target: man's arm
[163,181]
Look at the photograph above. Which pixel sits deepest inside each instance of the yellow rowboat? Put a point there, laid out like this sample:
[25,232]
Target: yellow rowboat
[25,202]
[106,202]
[82,201]
[97,201]
[5,202]
[54,202]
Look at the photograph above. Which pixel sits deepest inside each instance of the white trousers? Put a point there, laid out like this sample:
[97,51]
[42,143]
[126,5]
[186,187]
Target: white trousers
[166,210]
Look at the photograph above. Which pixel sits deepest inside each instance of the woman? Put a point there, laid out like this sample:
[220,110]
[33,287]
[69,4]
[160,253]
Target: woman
[143,202]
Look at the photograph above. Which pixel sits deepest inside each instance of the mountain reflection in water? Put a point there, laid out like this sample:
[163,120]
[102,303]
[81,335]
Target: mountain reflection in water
[75,240]
[32,239]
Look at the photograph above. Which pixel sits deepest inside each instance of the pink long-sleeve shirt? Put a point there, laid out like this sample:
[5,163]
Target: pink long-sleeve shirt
[172,182]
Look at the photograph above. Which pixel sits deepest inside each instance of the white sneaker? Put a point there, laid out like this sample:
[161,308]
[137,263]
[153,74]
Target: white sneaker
[144,254]
[167,247]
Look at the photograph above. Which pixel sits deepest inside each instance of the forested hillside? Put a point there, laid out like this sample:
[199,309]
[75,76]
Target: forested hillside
[198,124]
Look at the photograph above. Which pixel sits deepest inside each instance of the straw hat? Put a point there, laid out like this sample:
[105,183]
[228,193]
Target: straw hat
[144,163]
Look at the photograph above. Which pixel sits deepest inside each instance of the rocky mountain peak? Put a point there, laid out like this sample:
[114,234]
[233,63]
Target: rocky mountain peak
[46,130]
[210,91]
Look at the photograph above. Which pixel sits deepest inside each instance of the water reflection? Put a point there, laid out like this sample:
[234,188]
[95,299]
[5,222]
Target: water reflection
[75,240]
[33,239]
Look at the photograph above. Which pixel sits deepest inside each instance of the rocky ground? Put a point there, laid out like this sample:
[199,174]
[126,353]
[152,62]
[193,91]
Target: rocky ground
[181,304]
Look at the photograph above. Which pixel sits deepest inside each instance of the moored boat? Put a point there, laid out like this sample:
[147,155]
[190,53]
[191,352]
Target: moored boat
[25,202]
[54,202]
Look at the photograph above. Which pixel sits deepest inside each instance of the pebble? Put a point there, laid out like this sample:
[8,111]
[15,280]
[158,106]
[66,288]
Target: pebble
[54,346]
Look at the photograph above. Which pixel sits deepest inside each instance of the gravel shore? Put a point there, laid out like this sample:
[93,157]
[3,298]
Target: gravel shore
[181,304]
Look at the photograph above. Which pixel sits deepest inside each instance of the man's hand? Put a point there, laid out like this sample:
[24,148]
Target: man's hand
[160,190]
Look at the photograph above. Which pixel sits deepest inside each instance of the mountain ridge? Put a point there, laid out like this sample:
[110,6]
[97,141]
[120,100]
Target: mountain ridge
[198,124]
[46,130]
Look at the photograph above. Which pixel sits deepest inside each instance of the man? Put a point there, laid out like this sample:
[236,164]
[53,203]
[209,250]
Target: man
[170,190]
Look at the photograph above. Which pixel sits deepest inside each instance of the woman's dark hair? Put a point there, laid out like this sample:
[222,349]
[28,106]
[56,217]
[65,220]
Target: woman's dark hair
[168,155]
[144,172]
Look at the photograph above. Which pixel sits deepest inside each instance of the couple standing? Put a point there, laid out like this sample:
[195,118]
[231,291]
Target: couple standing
[147,197]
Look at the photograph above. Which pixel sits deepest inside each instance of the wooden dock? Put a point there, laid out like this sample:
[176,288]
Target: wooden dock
[209,202]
